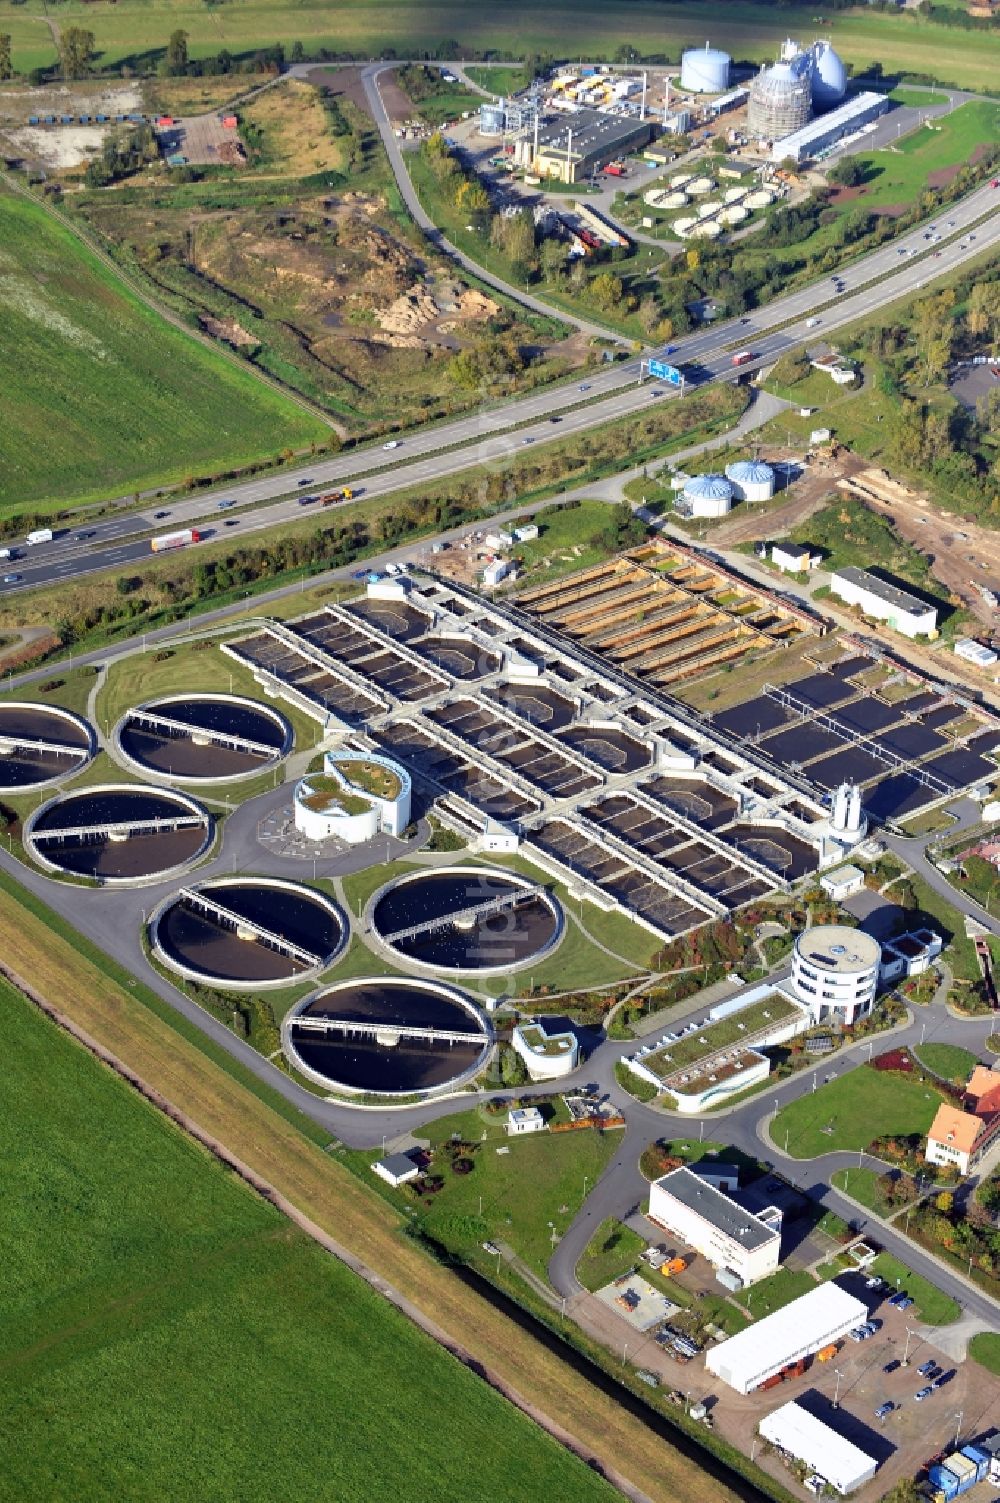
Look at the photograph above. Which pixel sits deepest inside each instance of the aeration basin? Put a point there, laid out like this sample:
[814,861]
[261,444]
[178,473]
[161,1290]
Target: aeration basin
[466,919]
[248,932]
[118,832]
[387,1036]
[203,737]
[41,744]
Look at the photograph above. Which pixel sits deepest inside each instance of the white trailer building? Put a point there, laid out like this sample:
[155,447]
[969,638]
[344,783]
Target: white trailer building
[807,1325]
[838,1461]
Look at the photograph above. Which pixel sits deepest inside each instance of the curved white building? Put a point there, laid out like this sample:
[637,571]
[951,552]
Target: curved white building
[547,1056]
[357,796]
[835,972]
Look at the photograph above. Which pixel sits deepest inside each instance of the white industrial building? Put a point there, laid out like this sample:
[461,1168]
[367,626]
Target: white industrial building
[397,1169]
[840,1463]
[547,1056]
[524,1119]
[792,558]
[835,972]
[731,1238]
[357,796]
[797,1330]
[820,136]
[904,612]
[974,652]
[842,883]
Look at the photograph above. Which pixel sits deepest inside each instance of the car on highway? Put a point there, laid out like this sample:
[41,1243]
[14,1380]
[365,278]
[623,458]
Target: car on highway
[360,574]
[528,440]
[923,1393]
[811,323]
[307,500]
[225,505]
[12,578]
[658,393]
[393,443]
[555,419]
[232,522]
[585,386]
[884,1410]
[159,515]
[81,537]
[307,480]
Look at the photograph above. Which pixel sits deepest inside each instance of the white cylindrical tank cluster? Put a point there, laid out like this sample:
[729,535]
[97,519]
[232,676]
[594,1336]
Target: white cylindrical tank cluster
[846,816]
[708,496]
[705,70]
[751,479]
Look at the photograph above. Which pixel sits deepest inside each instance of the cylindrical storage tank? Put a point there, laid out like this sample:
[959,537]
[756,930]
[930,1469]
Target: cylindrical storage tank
[705,70]
[829,77]
[708,495]
[751,479]
[780,101]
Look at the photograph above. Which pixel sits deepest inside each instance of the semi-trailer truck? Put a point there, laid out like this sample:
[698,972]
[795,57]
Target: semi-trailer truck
[175,540]
[743,357]
[40,535]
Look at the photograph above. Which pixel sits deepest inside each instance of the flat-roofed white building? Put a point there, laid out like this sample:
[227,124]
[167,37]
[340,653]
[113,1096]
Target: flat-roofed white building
[708,1220]
[838,1461]
[806,1325]
[842,883]
[905,613]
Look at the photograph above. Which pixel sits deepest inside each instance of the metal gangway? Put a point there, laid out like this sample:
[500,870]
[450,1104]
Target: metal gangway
[231,920]
[120,827]
[156,721]
[469,914]
[397,1030]
[36,743]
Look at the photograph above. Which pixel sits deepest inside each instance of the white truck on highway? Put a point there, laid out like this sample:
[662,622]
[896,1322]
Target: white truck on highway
[40,535]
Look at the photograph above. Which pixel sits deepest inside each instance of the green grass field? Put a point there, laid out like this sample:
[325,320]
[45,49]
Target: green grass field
[900,175]
[932,1304]
[517,1198]
[779,1290]
[852,1110]
[102,397]
[984,1348]
[612,1250]
[166,1334]
[947,1060]
[862,1186]
[568,28]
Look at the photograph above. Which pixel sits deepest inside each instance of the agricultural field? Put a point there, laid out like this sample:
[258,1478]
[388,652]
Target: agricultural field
[142,1279]
[100,394]
[306,265]
[136,32]
[852,1110]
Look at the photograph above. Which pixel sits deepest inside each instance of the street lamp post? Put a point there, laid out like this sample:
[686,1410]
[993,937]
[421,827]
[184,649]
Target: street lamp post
[906,1349]
[836,1396]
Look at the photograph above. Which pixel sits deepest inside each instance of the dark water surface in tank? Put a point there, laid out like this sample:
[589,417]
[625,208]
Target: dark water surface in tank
[492,942]
[365,1064]
[205,942]
[24,766]
[97,855]
[177,754]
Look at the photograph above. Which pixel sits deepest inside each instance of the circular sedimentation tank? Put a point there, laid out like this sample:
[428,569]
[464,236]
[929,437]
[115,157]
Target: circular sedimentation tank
[735,195]
[707,229]
[683,227]
[709,209]
[119,832]
[388,1036]
[477,919]
[41,744]
[759,199]
[245,932]
[675,200]
[203,737]
[680,179]
[734,214]
[699,186]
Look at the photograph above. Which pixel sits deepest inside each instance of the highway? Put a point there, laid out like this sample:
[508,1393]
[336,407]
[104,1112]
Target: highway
[491,436]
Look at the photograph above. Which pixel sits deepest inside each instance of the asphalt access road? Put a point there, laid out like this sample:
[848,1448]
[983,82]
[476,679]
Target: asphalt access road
[483,437]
